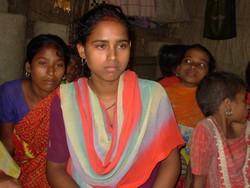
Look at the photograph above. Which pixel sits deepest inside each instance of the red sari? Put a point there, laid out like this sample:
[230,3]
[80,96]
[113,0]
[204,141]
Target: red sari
[30,139]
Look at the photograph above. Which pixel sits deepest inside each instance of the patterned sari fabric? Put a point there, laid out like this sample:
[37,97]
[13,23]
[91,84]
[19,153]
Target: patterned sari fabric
[187,113]
[31,141]
[224,161]
[105,156]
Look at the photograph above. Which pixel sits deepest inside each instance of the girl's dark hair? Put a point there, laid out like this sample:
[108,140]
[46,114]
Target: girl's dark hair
[169,57]
[104,11]
[248,76]
[212,61]
[43,41]
[215,88]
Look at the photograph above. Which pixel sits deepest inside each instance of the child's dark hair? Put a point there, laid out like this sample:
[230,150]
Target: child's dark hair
[74,53]
[169,57]
[216,87]
[212,61]
[43,41]
[248,76]
[104,11]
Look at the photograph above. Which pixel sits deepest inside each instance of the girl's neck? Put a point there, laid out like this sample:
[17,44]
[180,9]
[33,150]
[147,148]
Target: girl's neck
[231,130]
[31,94]
[104,90]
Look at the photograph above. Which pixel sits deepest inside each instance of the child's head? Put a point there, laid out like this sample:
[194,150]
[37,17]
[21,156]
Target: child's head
[74,68]
[104,41]
[222,87]
[248,76]
[169,57]
[195,64]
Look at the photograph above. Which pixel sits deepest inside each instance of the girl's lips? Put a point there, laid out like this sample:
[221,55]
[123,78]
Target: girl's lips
[191,73]
[50,82]
[111,69]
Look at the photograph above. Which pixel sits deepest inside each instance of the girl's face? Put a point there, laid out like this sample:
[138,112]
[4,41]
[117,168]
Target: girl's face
[107,50]
[47,70]
[193,67]
[240,107]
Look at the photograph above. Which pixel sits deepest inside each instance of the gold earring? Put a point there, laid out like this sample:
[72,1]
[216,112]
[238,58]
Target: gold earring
[229,113]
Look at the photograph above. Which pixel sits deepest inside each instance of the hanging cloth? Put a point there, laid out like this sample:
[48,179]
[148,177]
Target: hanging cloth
[220,19]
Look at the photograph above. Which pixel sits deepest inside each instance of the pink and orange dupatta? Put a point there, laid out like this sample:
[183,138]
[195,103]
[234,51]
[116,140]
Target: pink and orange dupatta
[31,141]
[144,132]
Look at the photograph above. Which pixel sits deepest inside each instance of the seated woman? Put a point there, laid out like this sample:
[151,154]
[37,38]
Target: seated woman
[25,107]
[108,130]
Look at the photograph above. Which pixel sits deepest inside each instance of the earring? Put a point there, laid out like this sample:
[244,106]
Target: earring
[64,77]
[83,61]
[229,113]
[27,74]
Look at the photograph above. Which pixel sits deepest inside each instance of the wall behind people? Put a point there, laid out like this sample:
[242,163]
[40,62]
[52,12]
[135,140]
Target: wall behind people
[231,54]
[19,24]
[12,43]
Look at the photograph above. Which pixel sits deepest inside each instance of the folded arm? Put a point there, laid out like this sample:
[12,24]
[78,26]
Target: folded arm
[58,177]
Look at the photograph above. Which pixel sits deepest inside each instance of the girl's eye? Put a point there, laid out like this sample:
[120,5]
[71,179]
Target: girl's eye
[42,63]
[123,45]
[202,65]
[60,65]
[188,61]
[100,46]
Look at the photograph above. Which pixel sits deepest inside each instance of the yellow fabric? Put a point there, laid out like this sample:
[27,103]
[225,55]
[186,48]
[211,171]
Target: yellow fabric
[7,163]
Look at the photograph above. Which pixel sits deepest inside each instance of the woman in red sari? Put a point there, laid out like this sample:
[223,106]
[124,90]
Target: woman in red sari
[25,108]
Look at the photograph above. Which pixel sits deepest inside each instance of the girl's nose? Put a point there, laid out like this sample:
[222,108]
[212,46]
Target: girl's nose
[112,53]
[50,70]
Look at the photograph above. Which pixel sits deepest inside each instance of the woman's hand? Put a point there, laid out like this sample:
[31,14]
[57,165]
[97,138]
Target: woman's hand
[8,182]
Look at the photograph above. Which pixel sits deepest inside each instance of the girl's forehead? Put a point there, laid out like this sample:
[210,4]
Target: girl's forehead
[196,52]
[110,29]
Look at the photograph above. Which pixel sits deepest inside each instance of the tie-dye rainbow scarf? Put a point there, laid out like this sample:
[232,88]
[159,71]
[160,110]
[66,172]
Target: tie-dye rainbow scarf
[144,132]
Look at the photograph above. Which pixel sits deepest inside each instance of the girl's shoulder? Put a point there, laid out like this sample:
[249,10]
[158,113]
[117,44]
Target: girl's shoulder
[11,88]
[205,127]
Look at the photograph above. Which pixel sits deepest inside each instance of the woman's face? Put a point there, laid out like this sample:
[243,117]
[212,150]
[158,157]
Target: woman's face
[193,67]
[107,50]
[47,70]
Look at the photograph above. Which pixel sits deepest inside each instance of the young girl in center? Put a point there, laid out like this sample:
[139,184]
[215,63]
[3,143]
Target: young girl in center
[108,130]
[220,143]
[196,63]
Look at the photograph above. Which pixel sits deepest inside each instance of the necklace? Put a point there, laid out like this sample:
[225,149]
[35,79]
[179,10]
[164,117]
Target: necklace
[110,106]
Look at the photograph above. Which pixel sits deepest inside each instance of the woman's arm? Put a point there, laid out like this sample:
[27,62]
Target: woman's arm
[169,171]
[8,182]
[6,131]
[58,177]
[198,181]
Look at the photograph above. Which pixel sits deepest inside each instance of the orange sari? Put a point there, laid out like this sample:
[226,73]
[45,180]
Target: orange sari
[30,139]
[183,100]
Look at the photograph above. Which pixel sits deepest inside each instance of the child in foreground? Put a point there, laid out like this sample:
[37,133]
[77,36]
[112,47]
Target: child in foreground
[220,143]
